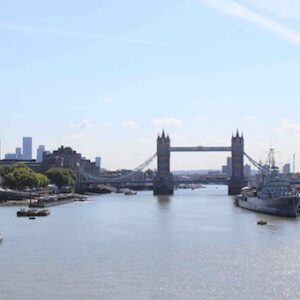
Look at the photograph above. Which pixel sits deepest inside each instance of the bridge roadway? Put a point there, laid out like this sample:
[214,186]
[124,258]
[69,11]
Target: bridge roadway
[204,179]
[200,149]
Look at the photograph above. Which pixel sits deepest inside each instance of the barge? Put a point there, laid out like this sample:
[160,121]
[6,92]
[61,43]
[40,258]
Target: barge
[33,213]
[53,200]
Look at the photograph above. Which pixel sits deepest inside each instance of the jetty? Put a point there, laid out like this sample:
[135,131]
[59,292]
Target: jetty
[33,213]
[53,200]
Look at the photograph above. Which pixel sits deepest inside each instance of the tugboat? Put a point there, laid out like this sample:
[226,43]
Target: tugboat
[274,195]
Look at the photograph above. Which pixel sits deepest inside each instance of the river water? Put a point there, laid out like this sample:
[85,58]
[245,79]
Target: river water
[194,245]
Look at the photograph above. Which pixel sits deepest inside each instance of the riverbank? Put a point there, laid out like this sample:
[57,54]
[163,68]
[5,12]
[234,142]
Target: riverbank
[25,202]
[45,200]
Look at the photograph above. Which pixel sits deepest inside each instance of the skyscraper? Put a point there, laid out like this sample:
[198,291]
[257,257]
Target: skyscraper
[40,153]
[287,169]
[98,162]
[19,155]
[27,148]
[229,166]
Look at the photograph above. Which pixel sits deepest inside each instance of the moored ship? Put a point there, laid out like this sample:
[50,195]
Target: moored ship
[274,194]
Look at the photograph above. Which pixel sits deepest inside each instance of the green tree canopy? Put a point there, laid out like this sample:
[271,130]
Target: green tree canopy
[19,176]
[61,177]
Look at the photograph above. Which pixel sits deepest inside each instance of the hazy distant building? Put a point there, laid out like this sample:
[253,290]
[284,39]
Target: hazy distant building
[19,155]
[27,148]
[229,166]
[247,171]
[224,170]
[40,153]
[98,162]
[286,169]
[11,156]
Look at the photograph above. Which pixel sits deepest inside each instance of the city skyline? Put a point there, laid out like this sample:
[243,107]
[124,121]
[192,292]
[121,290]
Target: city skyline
[106,80]
[226,168]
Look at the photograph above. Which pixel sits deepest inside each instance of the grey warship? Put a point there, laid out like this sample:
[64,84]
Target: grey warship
[274,195]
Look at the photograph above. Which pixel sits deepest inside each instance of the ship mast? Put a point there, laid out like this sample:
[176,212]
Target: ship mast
[271,159]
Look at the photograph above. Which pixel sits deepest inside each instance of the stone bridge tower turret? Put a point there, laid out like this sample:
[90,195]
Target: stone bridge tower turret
[163,182]
[237,180]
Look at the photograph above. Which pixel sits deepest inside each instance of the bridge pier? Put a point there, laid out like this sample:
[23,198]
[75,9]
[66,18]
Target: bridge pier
[164,182]
[163,186]
[237,180]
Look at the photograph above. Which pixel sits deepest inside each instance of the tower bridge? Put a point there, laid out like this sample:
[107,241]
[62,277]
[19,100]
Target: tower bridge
[163,182]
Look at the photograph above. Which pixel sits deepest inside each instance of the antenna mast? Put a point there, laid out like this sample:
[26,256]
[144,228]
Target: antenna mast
[294,164]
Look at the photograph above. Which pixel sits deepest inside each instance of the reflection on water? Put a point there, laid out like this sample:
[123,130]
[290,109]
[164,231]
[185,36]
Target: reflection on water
[193,245]
[164,200]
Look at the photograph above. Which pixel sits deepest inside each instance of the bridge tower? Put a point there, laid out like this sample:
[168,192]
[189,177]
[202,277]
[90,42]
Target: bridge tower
[164,181]
[237,180]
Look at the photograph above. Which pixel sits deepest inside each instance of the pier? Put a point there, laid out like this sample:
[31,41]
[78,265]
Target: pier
[53,200]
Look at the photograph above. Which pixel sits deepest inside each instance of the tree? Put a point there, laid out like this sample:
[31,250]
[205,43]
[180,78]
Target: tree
[19,176]
[5,170]
[42,180]
[61,177]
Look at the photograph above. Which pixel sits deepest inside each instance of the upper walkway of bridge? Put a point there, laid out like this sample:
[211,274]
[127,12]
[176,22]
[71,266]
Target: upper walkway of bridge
[200,149]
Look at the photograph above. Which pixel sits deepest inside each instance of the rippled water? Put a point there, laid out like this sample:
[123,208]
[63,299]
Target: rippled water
[194,245]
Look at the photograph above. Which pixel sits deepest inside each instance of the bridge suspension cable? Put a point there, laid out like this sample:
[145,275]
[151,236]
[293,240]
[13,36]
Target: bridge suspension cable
[139,168]
[263,169]
[119,178]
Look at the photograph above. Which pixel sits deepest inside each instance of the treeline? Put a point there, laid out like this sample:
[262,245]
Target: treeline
[20,177]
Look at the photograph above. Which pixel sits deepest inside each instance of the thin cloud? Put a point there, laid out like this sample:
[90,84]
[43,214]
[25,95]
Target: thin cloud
[108,99]
[86,124]
[245,13]
[166,122]
[289,127]
[76,137]
[281,8]
[201,120]
[106,124]
[249,118]
[81,34]
[130,124]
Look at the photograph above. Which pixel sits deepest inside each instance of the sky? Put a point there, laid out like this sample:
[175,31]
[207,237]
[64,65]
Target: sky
[106,76]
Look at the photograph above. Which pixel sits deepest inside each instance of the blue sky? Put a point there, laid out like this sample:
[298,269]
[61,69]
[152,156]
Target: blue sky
[106,76]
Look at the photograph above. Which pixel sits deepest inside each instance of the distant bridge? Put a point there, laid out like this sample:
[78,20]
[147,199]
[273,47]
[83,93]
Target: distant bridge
[163,183]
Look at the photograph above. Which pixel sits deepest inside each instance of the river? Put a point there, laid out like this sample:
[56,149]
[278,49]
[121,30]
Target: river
[193,245]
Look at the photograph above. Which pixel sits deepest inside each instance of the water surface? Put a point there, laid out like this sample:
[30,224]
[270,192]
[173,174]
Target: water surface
[194,245]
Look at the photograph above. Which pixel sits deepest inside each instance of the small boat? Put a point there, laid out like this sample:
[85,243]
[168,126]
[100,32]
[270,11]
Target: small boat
[130,193]
[261,222]
[82,198]
[32,218]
